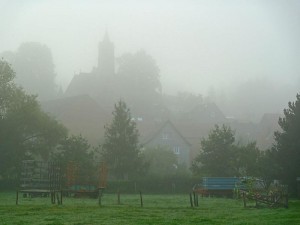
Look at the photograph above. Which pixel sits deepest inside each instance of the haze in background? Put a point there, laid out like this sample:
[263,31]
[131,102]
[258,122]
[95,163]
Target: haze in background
[241,54]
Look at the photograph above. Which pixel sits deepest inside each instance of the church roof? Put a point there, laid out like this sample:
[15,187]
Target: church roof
[80,84]
[81,115]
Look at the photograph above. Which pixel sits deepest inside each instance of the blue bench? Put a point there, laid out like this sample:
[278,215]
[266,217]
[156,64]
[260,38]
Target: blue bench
[218,185]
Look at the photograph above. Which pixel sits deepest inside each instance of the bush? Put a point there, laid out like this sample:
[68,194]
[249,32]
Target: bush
[169,185]
[8,184]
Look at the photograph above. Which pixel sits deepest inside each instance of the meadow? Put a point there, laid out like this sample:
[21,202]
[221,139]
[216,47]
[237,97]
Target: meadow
[157,209]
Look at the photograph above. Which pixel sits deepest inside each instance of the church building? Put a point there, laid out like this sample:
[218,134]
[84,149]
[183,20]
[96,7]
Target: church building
[97,83]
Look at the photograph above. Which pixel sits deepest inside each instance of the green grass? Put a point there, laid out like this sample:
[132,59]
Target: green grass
[158,209]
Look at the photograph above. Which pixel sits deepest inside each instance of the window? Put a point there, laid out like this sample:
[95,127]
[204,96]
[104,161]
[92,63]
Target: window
[165,135]
[176,150]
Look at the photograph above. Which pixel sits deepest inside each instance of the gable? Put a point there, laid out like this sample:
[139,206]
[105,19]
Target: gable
[166,133]
[168,136]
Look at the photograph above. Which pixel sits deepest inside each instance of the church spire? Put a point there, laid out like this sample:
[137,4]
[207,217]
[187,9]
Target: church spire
[106,58]
[106,37]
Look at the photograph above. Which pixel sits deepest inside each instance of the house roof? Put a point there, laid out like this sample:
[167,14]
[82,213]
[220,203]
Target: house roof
[157,132]
[82,83]
[80,114]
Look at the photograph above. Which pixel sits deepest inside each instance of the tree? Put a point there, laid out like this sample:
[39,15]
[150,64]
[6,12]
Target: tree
[34,66]
[161,161]
[139,78]
[74,148]
[287,144]
[25,130]
[77,149]
[245,159]
[120,149]
[6,86]
[220,156]
[216,153]
[268,167]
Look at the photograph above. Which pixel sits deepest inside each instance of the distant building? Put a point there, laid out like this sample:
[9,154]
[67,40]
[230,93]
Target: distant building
[168,136]
[106,57]
[266,128]
[99,81]
[81,115]
[89,100]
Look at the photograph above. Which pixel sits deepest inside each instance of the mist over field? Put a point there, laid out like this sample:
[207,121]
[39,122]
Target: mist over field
[243,55]
[150,97]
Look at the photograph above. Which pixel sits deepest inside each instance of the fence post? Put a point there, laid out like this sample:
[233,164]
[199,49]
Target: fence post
[244,198]
[57,198]
[286,201]
[17,199]
[195,198]
[191,200]
[119,202]
[61,197]
[141,197]
[100,191]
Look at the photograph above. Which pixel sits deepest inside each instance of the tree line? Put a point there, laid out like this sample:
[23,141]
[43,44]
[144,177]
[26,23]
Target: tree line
[220,155]
[26,132]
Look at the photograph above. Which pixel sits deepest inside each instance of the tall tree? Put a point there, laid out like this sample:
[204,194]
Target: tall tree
[215,157]
[220,156]
[34,66]
[120,148]
[287,147]
[139,77]
[25,130]
[245,159]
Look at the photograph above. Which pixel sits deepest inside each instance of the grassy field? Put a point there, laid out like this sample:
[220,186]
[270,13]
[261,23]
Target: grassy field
[158,209]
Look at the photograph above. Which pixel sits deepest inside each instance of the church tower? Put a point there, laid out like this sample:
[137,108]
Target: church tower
[106,57]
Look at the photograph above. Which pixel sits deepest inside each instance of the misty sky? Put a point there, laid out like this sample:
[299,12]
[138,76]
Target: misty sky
[198,45]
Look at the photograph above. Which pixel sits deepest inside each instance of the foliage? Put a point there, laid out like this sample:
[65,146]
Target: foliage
[139,78]
[161,161]
[76,149]
[287,146]
[216,155]
[245,159]
[220,156]
[34,66]
[25,130]
[141,69]
[154,185]
[120,149]
[268,167]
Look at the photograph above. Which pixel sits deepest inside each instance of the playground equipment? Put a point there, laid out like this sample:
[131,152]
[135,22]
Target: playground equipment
[40,179]
[44,179]
[79,185]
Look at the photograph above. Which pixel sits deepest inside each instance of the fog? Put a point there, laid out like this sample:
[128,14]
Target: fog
[213,48]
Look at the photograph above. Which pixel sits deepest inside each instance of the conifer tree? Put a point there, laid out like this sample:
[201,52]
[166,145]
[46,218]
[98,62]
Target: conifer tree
[287,147]
[120,148]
